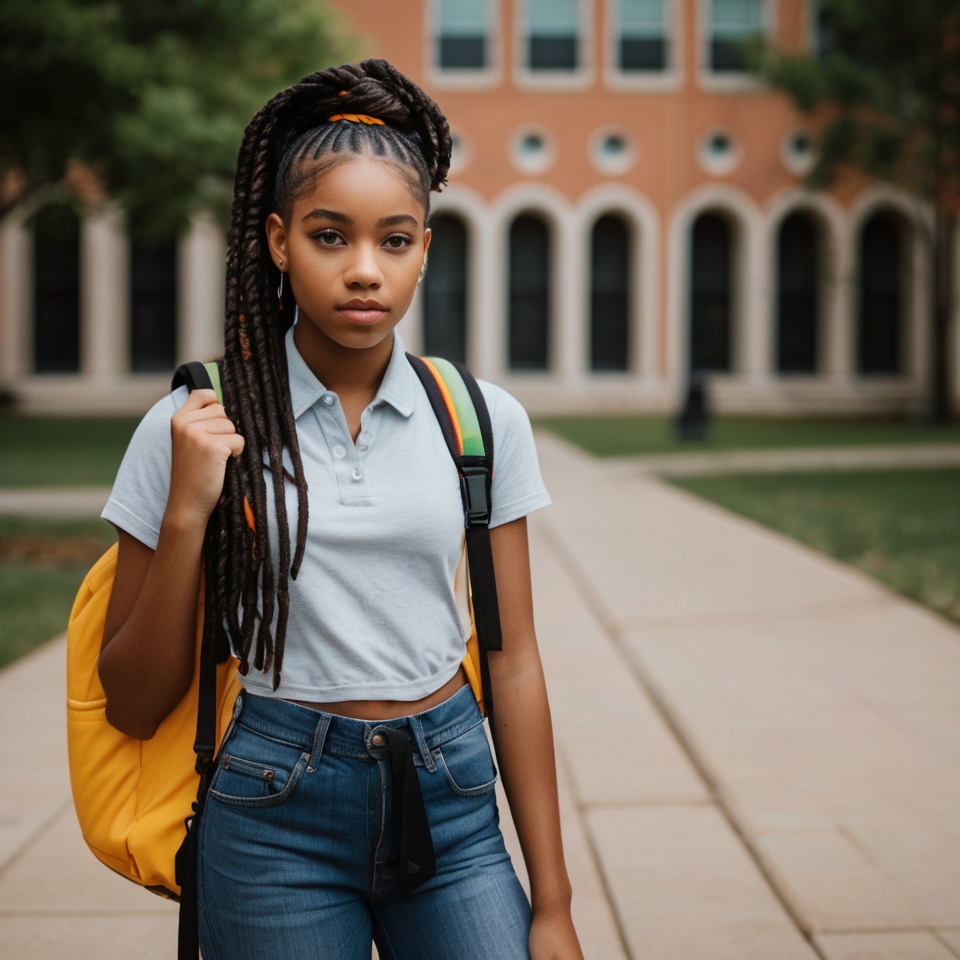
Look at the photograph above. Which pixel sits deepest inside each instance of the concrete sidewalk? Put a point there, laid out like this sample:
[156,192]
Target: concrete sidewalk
[759,750]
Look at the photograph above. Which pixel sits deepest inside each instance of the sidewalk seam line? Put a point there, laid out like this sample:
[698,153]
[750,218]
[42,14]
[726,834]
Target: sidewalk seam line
[658,701]
[24,847]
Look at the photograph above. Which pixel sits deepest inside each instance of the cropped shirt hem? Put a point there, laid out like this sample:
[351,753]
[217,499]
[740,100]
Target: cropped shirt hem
[414,690]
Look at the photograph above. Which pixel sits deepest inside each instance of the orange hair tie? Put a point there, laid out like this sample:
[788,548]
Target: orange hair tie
[357,118]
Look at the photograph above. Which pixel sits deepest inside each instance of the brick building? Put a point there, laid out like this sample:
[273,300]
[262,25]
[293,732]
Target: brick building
[626,205]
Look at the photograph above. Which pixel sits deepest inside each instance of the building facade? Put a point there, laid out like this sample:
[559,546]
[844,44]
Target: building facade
[625,208]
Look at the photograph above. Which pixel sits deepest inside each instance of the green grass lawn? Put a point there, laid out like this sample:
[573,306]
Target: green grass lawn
[900,526]
[62,451]
[42,564]
[613,436]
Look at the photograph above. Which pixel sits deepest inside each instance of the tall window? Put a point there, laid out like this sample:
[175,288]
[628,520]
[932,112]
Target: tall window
[732,23]
[529,293]
[609,294]
[462,32]
[553,34]
[153,304]
[798,295]
[711,294]
[56,290]
[642,35]
[445,291]
[881,295]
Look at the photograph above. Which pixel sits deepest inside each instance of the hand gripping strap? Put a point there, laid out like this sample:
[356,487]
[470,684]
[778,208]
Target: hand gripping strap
[199,376]
[465,421]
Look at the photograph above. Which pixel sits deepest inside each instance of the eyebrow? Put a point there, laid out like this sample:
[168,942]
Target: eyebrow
[396,220]
[321,214]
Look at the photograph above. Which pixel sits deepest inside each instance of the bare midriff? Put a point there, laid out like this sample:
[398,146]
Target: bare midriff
[389,709]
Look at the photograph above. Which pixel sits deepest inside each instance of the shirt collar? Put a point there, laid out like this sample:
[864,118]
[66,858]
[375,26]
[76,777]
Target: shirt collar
[396,388]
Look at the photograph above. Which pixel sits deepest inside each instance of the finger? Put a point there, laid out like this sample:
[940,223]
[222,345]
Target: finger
[235,445]
[199,399]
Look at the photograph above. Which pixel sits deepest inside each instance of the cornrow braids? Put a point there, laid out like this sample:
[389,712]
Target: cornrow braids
[286,148]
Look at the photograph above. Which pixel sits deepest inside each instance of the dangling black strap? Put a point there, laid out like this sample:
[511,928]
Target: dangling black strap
[476,478]
[196,377]
[412,853]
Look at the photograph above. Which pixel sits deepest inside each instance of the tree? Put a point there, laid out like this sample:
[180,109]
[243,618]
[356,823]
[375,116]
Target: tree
[885,86]
[148,97]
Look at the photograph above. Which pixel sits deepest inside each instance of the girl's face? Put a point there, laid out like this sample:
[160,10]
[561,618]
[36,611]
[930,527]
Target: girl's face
[352,252]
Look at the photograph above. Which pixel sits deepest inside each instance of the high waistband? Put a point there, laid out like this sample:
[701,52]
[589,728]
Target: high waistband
[314,731]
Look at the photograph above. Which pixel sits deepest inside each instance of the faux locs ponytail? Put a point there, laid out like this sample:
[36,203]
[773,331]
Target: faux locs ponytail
[285,148]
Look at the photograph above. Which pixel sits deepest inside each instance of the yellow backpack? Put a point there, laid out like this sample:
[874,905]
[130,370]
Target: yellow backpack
[138,801]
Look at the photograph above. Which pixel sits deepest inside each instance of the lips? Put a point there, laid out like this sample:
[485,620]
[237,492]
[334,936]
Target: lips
[362,311]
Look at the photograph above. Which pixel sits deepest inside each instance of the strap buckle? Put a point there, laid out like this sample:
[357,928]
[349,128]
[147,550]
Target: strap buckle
[475,489]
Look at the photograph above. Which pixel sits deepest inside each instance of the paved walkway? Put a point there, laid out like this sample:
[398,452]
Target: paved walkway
[759,750]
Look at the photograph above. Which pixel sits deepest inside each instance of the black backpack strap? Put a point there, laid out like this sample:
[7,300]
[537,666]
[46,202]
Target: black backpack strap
[197,376]
[475,466]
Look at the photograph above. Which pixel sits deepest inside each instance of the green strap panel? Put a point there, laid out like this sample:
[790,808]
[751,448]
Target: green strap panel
[463,404]
[213,368]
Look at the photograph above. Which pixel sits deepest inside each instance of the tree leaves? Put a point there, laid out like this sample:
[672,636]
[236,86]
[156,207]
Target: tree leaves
[151,95]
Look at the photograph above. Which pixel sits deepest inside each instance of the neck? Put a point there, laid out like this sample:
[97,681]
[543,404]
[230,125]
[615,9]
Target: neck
[346,371]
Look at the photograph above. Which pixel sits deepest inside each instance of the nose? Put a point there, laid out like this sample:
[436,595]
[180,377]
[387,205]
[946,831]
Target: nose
[363,271]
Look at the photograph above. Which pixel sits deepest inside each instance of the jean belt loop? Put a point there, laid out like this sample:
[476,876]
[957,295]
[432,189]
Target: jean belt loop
[319,739]
[426,754]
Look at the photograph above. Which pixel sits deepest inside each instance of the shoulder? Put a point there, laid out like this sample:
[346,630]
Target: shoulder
[507,414]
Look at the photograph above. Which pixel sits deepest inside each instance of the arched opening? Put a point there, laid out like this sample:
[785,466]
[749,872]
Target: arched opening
[881,295]
[711,294]
[609,294]
[56,290]
[529,293]
[445,290]
[798,295]
[153,304]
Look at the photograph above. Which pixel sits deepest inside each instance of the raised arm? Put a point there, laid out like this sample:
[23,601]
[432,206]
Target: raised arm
[147,657]
[523,736]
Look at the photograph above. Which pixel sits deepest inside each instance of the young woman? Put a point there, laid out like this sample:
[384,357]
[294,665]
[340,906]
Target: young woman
[338,596]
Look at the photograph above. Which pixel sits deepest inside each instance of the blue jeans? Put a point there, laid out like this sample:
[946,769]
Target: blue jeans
[297,831]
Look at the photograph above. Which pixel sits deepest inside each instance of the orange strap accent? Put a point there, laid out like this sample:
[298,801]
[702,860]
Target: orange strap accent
[357,118]
[448,400]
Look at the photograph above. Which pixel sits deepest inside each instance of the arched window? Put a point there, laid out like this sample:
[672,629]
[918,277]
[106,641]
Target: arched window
[881,295]
[609,294]
[445,290]
[798,295]
[711,294]
[153,304]
[529,293]
[56,290]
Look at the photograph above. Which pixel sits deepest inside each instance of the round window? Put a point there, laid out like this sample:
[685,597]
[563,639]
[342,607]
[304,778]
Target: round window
[612,150]
[798,152]
[718,152]
[532,150]
[459,152]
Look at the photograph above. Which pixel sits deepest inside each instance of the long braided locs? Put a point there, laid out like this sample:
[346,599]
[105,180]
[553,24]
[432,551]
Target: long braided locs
[287,147]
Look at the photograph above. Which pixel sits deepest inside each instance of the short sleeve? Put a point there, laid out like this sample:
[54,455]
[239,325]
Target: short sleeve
[518,488]
[139,496]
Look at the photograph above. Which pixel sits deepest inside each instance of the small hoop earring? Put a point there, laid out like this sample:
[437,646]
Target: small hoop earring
[423,271]
[280,289]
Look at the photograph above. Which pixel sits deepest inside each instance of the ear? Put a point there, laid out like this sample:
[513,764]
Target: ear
[277,241]
[427,237]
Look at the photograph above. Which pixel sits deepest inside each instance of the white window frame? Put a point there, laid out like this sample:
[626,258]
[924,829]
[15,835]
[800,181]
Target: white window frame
[463,79]
[728,82]
[670,78]
[578,79]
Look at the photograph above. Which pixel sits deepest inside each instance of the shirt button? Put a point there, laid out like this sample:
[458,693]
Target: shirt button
[327,399]
[356,473]
[363,448]
[338,451]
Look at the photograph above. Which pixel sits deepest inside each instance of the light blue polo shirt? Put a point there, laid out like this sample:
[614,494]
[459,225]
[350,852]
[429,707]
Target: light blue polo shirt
[378,610]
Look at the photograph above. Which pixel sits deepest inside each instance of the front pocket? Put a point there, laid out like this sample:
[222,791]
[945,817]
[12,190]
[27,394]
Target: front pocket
[468,763]
[255,772]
